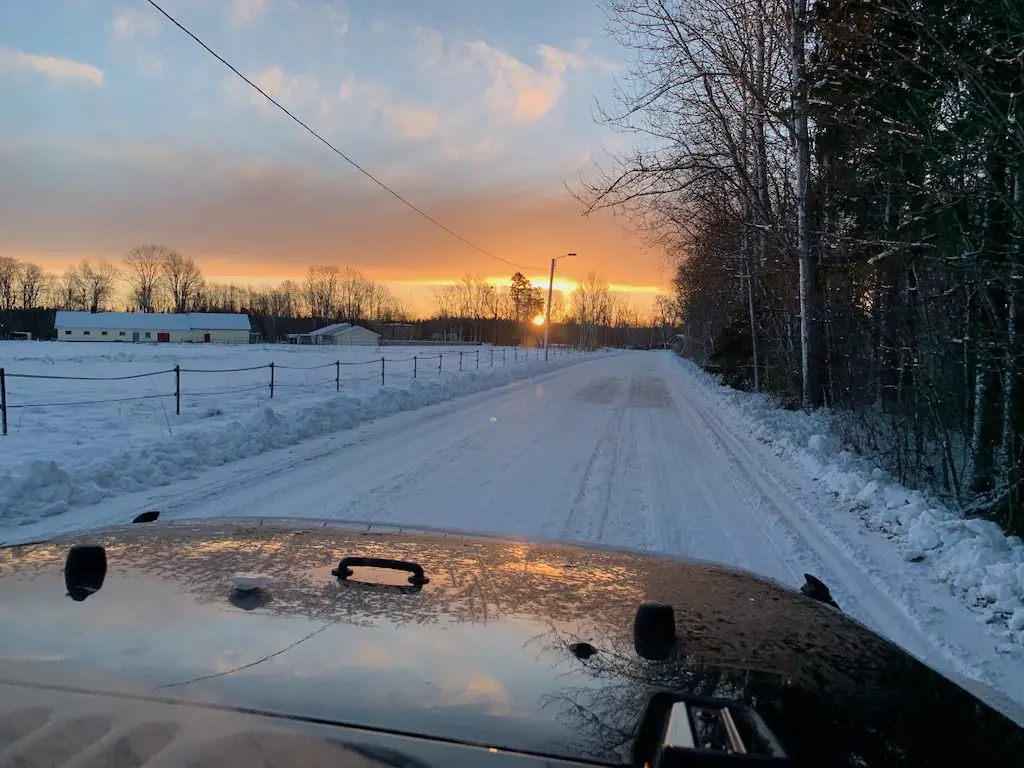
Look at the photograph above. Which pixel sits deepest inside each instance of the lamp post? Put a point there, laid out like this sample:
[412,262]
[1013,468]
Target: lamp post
[547,315]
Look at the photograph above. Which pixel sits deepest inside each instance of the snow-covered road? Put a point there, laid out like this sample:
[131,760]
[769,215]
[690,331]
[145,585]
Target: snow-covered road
[627,449]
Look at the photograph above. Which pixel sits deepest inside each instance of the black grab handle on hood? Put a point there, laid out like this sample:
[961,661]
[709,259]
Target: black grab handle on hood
[344,569]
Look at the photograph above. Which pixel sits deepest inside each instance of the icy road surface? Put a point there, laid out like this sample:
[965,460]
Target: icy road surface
[630,450]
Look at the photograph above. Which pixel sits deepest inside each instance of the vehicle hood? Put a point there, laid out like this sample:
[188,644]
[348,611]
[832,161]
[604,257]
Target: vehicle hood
[484,653]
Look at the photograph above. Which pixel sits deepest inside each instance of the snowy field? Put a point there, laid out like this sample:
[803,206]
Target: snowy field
[639,449]
[109,428]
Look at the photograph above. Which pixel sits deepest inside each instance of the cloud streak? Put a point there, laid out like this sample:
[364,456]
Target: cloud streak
[273,219]
[53,67]
[130,23]
[241,12]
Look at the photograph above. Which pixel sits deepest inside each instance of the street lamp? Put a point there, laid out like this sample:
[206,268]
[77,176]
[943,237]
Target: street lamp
[547,315]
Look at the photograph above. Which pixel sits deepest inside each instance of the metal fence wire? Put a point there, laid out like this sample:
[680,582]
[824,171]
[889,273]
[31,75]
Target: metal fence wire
[421,365]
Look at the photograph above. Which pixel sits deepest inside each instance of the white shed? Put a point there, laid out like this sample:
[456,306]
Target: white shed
[344,334]
[211,327]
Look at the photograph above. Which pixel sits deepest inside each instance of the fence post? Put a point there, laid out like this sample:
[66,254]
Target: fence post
[515,352]
[460,361]
[3,399]
[478,359]
[502,355]
[271,381]
[492,358]
[337,375]
[382,371]
[440,359]
[415,365]
[177,390]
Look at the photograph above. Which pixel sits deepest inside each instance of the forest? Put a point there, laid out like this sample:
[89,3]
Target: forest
[838,183]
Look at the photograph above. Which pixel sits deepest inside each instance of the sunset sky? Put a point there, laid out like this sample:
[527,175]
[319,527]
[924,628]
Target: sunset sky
[118,130]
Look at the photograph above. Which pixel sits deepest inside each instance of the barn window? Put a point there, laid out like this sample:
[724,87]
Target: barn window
[85,333]
[147,334]
[103,333]
[121,333]
[67,333]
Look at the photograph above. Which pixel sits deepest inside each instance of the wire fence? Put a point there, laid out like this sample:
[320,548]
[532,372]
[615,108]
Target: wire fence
[422,365]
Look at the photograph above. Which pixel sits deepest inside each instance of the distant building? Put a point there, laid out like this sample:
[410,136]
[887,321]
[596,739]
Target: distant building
[399,331]
[343,334]
[210,327]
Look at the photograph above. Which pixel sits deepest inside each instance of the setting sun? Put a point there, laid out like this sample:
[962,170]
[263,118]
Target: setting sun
[538,320]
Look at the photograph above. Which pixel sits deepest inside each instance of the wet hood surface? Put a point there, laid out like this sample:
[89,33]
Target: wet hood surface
[483,653]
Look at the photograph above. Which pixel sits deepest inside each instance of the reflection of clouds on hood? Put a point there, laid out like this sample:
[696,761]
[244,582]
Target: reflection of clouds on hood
[371,655]
[480,689]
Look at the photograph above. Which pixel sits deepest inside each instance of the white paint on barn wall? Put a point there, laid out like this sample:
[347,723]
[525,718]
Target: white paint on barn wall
[222,328]
[144,335]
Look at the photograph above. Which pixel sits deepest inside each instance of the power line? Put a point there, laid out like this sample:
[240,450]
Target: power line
[333,148]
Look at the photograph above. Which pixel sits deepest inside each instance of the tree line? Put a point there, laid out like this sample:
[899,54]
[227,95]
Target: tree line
[155,278]
[840,184]
[592,316]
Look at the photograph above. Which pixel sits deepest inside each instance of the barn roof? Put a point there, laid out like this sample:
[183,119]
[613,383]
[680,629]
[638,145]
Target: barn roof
[327,330]
[336,329]
[154,321]
[356,328]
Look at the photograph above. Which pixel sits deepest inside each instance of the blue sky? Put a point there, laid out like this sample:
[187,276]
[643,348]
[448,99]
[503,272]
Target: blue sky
[118,129]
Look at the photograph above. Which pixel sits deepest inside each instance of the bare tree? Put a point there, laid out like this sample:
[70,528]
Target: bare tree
[182,279]
[97,283]
[592,307]
[321,290]
[9,269]
[353,294]
[70,291]
[31,285]
[143,270]
[802,146]
[285,299]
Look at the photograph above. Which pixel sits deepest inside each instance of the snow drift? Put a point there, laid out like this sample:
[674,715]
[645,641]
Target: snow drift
[980,564]
[44,487]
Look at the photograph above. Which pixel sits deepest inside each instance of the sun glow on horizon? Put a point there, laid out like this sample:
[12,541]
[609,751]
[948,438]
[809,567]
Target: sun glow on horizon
[538,320]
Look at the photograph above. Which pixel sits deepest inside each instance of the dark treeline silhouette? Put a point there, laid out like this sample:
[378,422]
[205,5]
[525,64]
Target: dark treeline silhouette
[842,187]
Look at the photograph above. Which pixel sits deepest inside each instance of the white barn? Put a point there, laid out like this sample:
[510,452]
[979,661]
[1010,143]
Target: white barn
[344,334]
[211,327]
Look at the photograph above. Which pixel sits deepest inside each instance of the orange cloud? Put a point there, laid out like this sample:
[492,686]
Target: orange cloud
[518,90]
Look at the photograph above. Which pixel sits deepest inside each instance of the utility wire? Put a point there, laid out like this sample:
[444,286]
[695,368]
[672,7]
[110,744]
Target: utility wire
[334,149]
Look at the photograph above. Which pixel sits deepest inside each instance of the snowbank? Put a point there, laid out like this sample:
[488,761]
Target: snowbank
[67,470]
[981,565]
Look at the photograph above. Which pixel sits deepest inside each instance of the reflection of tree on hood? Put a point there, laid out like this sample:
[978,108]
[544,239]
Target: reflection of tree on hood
[818,680]
[864,722]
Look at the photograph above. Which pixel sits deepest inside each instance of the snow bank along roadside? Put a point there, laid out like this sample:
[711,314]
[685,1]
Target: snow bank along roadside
[42,488]
[973,557]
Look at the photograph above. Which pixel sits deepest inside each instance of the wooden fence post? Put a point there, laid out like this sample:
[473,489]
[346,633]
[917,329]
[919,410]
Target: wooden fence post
[3,399]
[337,375]
[271,381]
[177,390]
[382,371]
